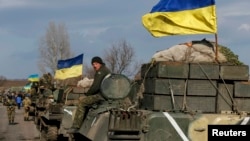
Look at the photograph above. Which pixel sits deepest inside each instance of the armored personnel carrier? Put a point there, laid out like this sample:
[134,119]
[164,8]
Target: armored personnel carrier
[174,101]
[50,107]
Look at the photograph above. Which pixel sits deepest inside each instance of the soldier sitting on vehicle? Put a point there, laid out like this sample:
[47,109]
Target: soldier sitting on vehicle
[46,82]
[26,104]
[11,104]
[93,95]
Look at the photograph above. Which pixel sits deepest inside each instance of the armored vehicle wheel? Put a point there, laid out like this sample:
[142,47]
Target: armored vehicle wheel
[52,133]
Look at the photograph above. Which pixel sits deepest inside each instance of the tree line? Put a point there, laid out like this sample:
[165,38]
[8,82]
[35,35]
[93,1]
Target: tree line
[120,57]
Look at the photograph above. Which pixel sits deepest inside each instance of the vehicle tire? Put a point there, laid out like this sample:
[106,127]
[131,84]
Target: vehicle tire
[52,133]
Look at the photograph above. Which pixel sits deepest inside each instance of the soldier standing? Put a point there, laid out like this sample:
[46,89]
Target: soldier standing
[10,104]
[26,104]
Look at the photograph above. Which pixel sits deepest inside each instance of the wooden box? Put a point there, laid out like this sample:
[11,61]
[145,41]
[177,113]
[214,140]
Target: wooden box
[202,103]
[202,87]
[160,102]
[147,70]
[243,104]
[164,103]
[242,89]
[204,71]
[166,70]
[224,98]
[232,72]
[164,86]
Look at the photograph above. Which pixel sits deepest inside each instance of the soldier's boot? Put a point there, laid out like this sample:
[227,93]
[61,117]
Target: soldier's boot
[24,118]
[12,122]
[9,122]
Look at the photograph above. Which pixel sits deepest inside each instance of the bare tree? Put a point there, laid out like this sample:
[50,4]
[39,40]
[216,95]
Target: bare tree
[89,71]
[120,58]
[54,46]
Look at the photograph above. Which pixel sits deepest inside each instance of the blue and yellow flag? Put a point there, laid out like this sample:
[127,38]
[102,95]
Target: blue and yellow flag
[33,78]
[27,86]
[69,68]
[180,17]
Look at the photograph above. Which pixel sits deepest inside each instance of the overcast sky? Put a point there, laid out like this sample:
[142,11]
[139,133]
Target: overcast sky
[94,25]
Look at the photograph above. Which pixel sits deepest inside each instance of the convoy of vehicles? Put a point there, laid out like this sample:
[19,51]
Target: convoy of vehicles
[172,101]
[175,101]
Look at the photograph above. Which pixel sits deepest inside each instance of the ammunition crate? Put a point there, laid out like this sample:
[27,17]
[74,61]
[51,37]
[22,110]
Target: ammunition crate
[202,103]
[160,102]
[204,71]
[232,72]
[164,86]
[201,83]
[201,87]
[166,70]
[224,100]
[147,70]
[242,104]
[242,89]
[164,103]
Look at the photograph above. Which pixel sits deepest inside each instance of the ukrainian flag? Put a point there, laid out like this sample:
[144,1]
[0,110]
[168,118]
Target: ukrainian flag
[27,86]
[69,68]
[33,78]
[180,17]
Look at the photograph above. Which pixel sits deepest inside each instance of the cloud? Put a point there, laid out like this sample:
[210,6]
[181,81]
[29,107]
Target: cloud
[4,32]
[233,9]
[244,27]
[12,3]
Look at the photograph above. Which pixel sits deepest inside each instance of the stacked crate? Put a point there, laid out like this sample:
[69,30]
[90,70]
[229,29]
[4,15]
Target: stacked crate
[240,88]
[198,87]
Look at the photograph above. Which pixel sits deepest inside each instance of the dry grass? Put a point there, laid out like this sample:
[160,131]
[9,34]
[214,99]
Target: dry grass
[13,83]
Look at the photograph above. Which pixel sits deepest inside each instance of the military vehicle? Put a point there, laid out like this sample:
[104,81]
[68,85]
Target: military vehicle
[50,118]
[173,101]
[33,97]
[42,105]
[49,109]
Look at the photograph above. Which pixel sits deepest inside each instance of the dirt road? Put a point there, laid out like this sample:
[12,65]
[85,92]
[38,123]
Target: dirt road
[20,131]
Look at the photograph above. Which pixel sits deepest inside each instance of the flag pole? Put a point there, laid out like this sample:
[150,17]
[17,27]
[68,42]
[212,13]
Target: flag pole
[216,47]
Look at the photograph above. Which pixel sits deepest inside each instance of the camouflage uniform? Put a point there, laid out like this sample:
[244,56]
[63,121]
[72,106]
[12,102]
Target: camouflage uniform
[92,96]
[48,101]
[34,89]
[46,81]
[11,104]
[26,105]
